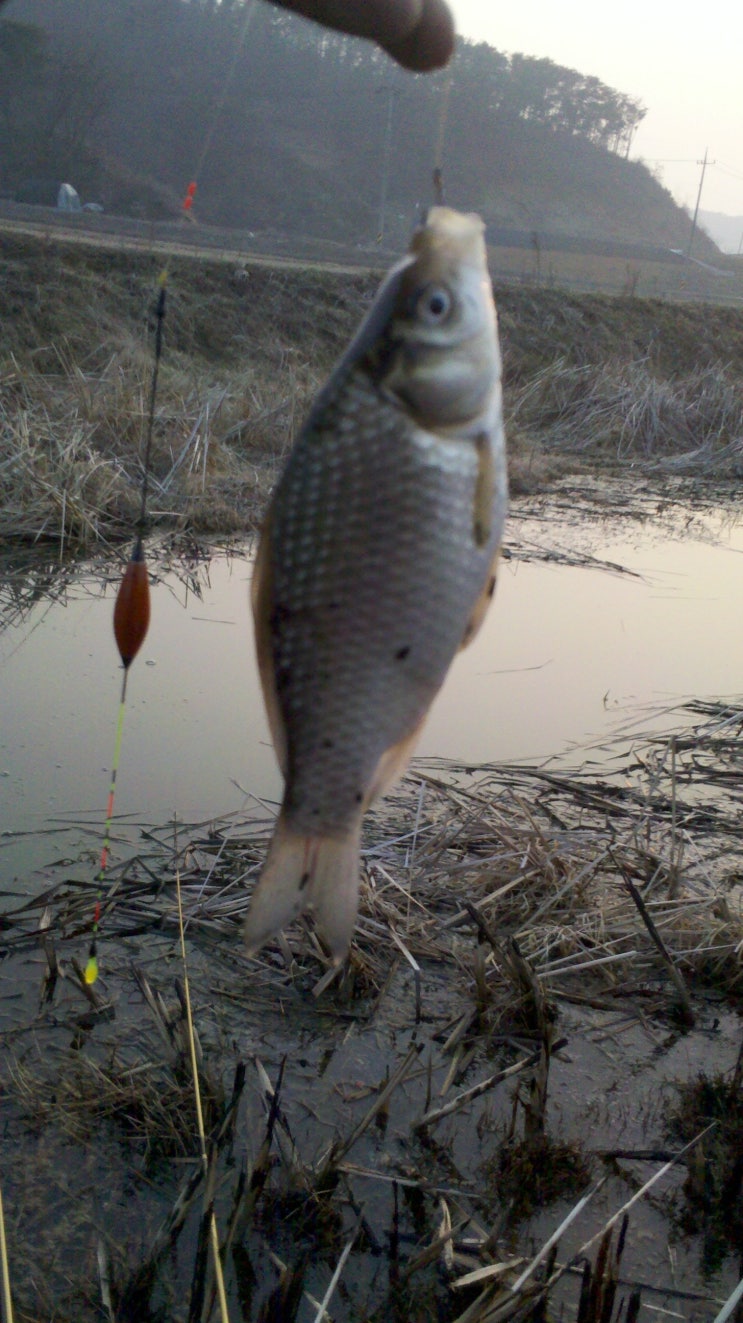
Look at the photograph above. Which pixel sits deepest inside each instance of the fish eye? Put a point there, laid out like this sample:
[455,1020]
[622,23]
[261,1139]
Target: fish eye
[433,305]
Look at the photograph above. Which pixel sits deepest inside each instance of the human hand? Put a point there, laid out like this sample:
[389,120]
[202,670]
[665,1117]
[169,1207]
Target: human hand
[419,34]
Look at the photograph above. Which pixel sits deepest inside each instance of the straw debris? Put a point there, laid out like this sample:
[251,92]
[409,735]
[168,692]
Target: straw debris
[401,1116]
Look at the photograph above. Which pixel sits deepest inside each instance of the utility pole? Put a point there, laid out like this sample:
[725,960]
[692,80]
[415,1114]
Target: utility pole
[704,165]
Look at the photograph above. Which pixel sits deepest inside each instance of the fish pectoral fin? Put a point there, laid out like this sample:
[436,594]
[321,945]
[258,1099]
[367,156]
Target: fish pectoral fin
[482,512]
[482,604]
[317,873]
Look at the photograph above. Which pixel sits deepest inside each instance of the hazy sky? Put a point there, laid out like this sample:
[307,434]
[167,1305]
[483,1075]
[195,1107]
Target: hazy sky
[683,61]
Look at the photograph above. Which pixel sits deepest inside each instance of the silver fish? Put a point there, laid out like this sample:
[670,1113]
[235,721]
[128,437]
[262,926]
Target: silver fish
[377,563]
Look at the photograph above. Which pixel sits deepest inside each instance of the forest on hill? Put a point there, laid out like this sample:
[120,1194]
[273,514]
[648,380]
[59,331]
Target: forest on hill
[285,126]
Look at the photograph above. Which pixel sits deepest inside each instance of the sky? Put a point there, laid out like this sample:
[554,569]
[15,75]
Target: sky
[683,61]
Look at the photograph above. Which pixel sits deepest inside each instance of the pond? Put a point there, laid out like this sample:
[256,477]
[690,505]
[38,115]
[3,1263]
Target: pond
[606,618]
[595,620]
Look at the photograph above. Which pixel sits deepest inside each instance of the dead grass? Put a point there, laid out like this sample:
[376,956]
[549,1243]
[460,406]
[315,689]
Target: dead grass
[713,1193]
[627,413]
[532,1174]
[589,380]
[244,355]
[140,1101]
[73,443]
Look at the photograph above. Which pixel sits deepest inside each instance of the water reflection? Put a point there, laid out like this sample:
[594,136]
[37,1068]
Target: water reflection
[565,649]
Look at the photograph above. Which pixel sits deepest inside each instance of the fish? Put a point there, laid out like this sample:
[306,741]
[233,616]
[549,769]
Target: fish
[376,563]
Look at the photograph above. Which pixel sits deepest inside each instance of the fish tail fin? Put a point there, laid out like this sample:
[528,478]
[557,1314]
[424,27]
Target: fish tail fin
[304,872]
[334,894]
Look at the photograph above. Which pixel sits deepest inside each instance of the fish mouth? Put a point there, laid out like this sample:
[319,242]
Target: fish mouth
[448,241]
[452,224]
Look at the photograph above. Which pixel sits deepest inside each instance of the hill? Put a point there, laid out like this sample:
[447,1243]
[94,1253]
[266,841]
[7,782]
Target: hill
[286,127]
[726,231]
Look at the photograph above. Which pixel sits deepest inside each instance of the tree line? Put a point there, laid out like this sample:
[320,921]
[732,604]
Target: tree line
[304,127]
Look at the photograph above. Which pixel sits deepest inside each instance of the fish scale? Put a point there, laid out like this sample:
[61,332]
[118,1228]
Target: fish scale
[376,563]
[352,695]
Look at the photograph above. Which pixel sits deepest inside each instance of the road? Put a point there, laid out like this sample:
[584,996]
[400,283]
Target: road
[569,262]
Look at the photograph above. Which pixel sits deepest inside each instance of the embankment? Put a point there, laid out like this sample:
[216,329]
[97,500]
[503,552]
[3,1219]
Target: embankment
[590,380]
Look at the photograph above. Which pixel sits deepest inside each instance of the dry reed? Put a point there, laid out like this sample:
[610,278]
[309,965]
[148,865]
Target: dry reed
[629,413]
[244,355]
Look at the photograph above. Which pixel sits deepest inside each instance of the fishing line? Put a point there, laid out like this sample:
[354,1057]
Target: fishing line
[226,86]
[438,154]
[213,1231]
[160,319]
[132,606]
[131,622]
[7,1299]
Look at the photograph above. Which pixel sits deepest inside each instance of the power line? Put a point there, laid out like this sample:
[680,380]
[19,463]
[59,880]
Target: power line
[727,171]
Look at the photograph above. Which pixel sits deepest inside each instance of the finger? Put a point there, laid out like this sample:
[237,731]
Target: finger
[419,34]
[430,43]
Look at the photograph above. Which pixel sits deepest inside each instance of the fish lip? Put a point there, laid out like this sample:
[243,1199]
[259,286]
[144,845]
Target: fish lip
[448,224]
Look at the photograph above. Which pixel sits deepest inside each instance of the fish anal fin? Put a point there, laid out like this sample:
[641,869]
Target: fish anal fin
[261,594]
[393,763]
[302,872]
[482,604]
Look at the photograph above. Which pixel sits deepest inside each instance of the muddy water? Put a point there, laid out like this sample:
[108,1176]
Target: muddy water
[568,653]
